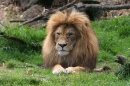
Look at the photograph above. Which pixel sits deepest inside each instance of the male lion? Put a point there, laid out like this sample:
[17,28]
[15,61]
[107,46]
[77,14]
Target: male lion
[71,44]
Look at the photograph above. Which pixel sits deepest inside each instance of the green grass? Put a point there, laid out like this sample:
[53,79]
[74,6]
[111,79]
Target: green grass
[23,61]
[114,36]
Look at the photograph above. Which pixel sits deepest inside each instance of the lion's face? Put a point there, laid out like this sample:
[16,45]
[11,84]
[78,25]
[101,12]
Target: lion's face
[66,37]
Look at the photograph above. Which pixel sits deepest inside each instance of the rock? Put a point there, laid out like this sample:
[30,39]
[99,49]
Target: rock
[32,12]
[25,4]
[4,2]
[3,13]
[37,24]
[118,13]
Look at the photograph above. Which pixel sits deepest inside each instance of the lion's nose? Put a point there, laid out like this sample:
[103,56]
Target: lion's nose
[62,45]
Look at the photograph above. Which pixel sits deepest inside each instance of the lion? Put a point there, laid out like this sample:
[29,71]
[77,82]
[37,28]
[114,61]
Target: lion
[71,44]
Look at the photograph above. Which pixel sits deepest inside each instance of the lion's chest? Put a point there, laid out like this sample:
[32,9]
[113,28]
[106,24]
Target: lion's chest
[68,62]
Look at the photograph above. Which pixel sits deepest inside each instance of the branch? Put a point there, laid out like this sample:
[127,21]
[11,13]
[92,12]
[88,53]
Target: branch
[34,45]
[46,15]
[31,20]
[12,38]
[18,20]
[64,7]
[105,7]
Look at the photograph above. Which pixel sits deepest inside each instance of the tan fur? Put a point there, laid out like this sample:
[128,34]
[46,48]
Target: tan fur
[83,55]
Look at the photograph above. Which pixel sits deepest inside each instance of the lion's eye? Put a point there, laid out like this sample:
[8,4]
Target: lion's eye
[58,34]
[70,34]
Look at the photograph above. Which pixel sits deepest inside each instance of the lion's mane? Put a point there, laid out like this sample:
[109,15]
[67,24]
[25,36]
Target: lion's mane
[85,51]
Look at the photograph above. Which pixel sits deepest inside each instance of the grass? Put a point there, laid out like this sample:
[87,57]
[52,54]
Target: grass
[23,62]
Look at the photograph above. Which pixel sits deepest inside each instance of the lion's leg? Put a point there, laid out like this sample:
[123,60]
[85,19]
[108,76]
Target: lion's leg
[74,69]
[57,69]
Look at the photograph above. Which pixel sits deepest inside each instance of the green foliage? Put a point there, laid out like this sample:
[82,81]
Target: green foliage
[124,31]
[113,36]
[11,64]
[29,35]
[10,49]
[105,56]
[26,33]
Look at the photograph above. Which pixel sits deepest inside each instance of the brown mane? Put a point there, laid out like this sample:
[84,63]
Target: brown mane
[86,49]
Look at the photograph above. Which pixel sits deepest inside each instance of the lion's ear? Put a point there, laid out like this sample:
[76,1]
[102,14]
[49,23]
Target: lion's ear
[69,11]
[87,23]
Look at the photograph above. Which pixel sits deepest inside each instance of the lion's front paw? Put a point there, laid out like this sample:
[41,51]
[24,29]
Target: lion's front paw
[58,71]
[69,70]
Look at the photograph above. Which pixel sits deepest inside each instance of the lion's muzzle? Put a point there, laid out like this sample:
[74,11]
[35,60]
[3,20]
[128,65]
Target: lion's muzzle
[62,45]
[62,49]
